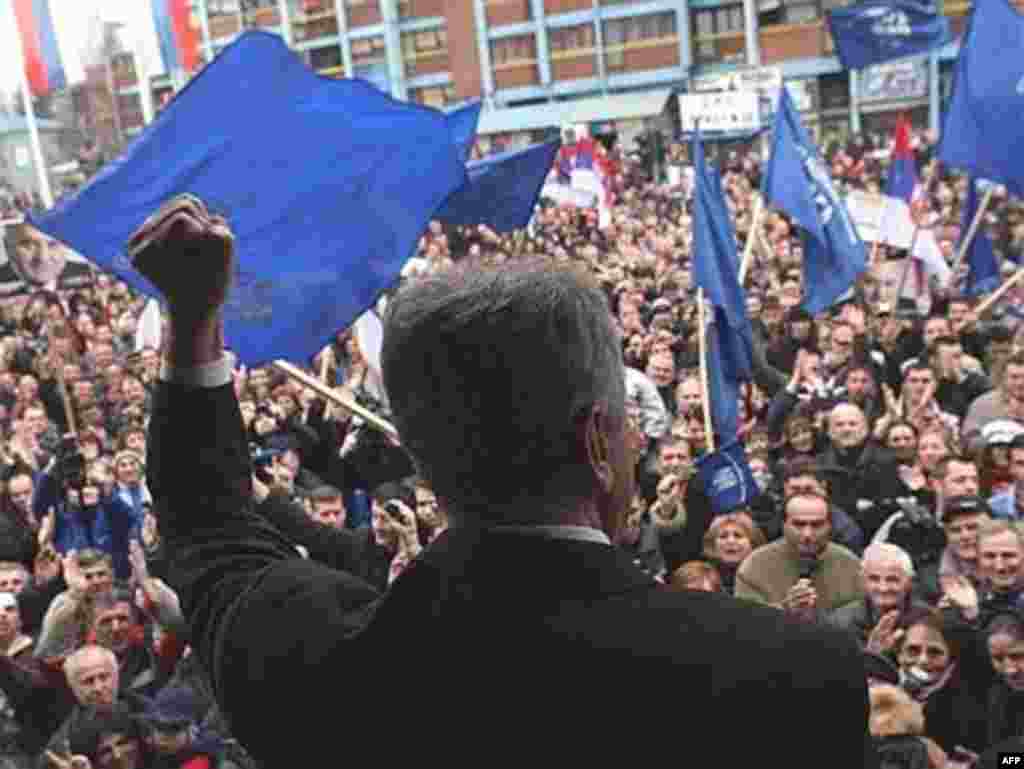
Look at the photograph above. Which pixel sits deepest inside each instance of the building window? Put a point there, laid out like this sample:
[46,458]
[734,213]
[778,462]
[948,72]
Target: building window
[326,58]
[370,61]
[717,34]
[791,12]
[510,51]
[421,45]
[368,51]
[639,31]
[425,52]
[312,19]
[834,91]
[223,7]
[435,96]
[569,41]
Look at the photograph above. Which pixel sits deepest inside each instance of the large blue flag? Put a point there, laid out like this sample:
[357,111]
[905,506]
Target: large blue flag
[502,189]
[797,182]
[875,31]
[715,268]
[982,265]
[983,133]
[327,185]
[463,122]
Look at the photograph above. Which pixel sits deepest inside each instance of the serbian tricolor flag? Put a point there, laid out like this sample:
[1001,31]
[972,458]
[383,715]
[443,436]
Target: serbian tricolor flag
[179,39]
[43,64]
[584,166]
[902,182]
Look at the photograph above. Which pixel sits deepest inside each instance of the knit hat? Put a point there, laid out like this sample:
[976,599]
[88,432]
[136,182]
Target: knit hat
[175,705]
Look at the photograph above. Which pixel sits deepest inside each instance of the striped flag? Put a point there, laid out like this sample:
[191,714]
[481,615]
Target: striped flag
[176,30]
[43,63]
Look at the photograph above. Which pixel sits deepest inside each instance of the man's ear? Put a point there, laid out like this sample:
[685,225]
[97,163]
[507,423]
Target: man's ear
[597,446]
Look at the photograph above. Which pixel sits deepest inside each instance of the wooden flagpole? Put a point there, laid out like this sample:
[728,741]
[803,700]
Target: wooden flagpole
[326,392]
[705,393]
[973,230]
[755,225]
[996,295]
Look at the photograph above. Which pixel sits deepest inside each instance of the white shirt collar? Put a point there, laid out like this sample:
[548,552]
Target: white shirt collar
[580,533]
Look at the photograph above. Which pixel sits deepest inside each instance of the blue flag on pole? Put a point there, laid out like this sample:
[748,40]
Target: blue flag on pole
[327,184]
[875,31]
[983,133]
[502,189]
[715,269]
[726,478]
[797,182]
[982,265]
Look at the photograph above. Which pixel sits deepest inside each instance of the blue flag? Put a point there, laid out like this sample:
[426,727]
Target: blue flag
[327,185]
[726,478]
[982,265]
[875,31]
[797,182]
[463,122]
[983,133]
[502,189]
[715,269]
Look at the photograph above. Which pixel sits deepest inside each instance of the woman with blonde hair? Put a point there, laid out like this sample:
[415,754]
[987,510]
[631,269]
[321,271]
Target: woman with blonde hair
[729,540]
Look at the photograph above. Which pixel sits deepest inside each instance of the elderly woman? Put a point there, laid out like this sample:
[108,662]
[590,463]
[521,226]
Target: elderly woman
[928,656]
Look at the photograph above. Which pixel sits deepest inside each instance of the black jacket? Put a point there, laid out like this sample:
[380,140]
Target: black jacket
[523,642]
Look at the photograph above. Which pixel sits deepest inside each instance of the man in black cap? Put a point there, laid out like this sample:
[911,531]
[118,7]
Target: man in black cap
[175,736]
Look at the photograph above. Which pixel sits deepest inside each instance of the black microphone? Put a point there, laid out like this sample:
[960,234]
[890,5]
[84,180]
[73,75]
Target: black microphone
[808,565]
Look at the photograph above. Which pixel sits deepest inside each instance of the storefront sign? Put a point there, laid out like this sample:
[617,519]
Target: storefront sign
[727,111]
[763,80]
[895,81]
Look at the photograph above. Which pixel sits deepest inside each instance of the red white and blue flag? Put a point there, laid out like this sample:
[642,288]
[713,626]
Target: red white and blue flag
[584,166]
[902,182]
[177,34]
[43,64]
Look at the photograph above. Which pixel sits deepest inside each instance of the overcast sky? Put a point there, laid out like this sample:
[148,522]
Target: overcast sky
[71,18]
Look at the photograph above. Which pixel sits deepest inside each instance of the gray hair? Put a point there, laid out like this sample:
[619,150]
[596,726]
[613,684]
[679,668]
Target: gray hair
[488,373]
[888,552]
[78,657]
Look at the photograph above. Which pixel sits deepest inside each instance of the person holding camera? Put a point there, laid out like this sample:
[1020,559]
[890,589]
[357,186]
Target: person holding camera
[376,553]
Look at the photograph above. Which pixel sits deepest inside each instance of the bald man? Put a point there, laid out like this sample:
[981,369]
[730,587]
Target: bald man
[863,477]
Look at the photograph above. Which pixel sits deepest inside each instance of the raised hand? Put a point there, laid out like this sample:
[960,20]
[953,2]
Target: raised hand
[893,407]
[186,253]
[73,575]
[47,565]
[961,593]
[47,528]
[404,525]
[884,636]
[137,558]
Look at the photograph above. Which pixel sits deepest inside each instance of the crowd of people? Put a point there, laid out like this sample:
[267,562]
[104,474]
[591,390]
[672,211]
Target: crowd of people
[886,437]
